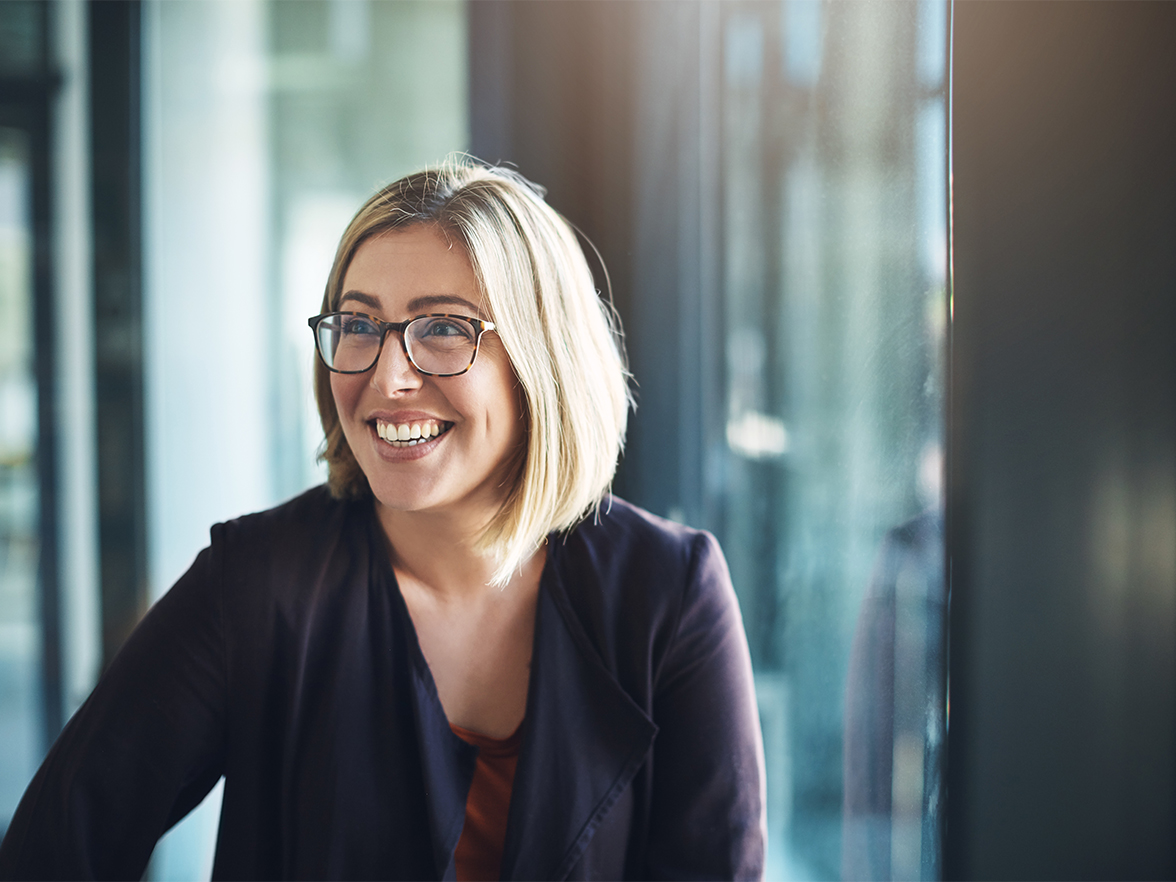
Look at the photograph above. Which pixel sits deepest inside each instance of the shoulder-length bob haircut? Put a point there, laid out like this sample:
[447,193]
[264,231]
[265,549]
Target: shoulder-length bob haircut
[562,338]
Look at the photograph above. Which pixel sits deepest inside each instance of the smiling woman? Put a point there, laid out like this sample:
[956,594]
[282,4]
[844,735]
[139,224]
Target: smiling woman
[463,473]
[461,658]
[467,238]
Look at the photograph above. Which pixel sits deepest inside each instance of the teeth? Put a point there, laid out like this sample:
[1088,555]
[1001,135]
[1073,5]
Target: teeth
[408,434]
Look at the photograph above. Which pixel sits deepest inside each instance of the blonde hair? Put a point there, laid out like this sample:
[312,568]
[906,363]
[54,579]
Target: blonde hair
[562,338]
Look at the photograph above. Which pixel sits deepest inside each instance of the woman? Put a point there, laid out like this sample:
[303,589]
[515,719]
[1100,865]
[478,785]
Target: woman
[461,659]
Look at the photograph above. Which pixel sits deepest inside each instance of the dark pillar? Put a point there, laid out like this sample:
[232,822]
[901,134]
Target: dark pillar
[115,131]
[1063,498]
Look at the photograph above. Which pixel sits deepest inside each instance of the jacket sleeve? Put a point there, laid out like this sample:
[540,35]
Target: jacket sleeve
[141,752]
[707,819]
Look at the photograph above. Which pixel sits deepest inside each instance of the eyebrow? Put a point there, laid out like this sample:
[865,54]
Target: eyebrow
[417,304]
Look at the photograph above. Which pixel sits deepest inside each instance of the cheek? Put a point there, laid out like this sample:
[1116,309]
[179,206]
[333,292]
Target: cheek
[504,397]
[346,391]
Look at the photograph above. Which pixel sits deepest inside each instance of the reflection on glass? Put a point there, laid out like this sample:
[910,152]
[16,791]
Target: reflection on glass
[20,648]
[894,711]
[834,252]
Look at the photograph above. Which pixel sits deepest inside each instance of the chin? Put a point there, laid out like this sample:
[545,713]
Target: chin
[400,495]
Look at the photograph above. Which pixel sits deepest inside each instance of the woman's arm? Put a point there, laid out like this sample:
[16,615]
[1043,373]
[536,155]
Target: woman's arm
[142,751]
[707,819]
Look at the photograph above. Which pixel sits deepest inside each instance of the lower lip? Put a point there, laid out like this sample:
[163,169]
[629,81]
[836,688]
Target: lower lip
[388,453]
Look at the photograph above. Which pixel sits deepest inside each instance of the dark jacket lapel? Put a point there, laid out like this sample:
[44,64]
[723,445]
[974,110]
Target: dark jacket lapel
[447,762]
[447,766]
[584,740]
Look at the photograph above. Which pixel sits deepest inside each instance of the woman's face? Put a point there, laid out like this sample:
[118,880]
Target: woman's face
[475,420]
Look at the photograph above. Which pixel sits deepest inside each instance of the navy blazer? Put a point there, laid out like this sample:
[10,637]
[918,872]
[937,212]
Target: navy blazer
[286,661]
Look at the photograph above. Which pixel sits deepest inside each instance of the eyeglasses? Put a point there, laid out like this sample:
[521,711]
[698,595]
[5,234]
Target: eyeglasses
[437,345]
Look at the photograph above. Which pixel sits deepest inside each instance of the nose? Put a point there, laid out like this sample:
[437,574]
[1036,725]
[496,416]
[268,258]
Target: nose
[393,373]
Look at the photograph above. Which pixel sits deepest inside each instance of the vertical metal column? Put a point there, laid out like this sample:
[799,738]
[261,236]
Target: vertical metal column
[115,114]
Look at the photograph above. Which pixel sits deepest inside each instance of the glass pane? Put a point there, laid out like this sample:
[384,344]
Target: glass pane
[20,636]
[266,124]
[834,255]
[361,93]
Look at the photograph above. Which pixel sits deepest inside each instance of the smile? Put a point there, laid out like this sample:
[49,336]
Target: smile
[411,434]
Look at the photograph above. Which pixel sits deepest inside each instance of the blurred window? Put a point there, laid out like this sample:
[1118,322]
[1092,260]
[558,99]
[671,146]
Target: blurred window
[21,726]
[29,712]
[824,480]
[266,125]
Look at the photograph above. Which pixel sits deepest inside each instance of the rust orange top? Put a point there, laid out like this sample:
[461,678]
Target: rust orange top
[479,850]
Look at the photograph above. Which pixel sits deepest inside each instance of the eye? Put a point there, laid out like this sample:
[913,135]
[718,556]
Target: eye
[358,325]
[446,329]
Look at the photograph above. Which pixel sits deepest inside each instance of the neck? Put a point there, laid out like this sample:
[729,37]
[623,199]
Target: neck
[436,551]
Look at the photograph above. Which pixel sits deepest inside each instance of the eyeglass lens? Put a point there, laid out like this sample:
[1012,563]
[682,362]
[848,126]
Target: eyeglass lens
[435,344]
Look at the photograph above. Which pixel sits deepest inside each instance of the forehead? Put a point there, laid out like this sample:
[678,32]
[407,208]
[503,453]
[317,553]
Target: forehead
[405,270]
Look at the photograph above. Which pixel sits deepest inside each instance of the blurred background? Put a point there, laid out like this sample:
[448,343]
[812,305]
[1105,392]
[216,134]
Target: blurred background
[768,184]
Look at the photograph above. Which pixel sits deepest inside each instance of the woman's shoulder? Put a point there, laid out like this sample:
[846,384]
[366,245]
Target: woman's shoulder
[628,569]
[627,535]
[306,510]
[309,540]
[301,524]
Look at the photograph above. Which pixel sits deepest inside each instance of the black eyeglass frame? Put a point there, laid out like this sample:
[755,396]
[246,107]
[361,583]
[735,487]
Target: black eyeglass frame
[480,326]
